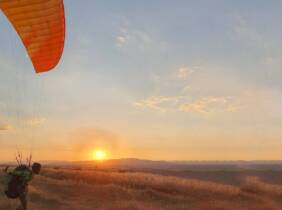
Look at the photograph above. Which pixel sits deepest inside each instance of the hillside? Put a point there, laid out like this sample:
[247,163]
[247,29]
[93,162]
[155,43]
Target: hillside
[84,189]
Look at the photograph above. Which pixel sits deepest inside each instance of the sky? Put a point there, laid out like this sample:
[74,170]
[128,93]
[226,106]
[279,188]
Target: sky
[160,80]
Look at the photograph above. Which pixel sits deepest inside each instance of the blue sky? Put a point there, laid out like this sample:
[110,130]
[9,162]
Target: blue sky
[150,79]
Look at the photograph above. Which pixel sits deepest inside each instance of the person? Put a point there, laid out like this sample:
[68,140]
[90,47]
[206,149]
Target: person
[16,182]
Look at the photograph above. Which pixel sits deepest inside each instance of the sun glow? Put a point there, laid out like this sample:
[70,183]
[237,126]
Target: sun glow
[99,155]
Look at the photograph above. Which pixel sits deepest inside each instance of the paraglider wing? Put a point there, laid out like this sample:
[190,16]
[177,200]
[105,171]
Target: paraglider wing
[41,27]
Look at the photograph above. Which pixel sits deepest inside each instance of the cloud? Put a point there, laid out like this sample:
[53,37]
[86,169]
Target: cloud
[36,121]
[160,103]
[203,105]
[121,41]
[269,60]
[133,38]
[122,38]
[187,97]
[5,127]
[184,72]
[210,104]
[186,88]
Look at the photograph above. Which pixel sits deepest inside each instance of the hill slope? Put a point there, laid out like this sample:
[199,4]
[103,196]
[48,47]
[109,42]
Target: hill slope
[69,189]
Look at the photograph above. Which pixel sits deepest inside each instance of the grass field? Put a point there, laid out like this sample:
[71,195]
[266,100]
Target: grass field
[84,189]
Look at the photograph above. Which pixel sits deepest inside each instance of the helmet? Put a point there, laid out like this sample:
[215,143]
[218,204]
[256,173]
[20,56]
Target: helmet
[36,167]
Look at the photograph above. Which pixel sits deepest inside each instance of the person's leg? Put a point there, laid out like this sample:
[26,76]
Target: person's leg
[23,201]
[19,208]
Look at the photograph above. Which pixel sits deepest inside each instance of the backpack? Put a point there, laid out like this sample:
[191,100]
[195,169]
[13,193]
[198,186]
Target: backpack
[14,182]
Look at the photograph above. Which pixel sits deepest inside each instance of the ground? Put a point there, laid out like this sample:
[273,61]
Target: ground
[89,189]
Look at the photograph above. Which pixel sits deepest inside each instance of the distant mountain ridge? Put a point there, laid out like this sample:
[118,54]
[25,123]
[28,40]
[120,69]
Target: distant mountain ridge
[134,163]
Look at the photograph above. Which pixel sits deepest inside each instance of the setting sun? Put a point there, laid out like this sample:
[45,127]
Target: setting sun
[99,155]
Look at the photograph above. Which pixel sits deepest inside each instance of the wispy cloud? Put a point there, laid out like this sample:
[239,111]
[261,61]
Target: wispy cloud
[5,127]
[122,38]
[211,104]
[203,105]
[38,121]
[185,95]
[160,103]
[129,37]
[121,41]
[185,71]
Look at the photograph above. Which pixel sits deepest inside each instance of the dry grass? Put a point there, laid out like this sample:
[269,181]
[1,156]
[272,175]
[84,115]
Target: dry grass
[63,189]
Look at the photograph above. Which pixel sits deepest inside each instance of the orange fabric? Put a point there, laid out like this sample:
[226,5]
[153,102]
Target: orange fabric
[41,26]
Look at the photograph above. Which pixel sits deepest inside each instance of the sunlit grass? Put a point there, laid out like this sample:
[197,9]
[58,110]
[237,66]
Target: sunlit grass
[89,188]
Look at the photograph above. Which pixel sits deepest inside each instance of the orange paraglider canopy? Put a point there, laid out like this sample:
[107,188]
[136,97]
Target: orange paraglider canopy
[41,27]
